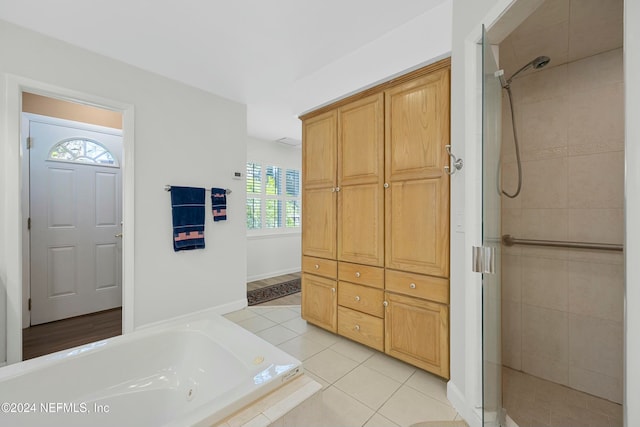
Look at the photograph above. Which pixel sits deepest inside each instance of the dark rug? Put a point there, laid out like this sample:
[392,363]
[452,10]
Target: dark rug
[268,293]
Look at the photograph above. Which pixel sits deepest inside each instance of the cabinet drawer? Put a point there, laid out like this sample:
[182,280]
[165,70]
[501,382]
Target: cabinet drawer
[360,327]
[416,285]
[361,274]
[361,298]
[320,266]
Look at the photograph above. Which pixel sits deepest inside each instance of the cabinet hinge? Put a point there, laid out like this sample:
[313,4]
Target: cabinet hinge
[29,223]
[29,143]
[29,302]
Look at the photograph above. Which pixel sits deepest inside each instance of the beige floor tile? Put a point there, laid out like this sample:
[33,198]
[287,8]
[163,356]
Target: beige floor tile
[322,382]
[320,335]
[379,421]
[293,299]
[240,315]
[329,365]
[368,386]
[301,347]
[353,350]
[256,324]
[280,315]
[430,385]
[339,409]
[390,367]
[276,334]
[297,324]
[408,406]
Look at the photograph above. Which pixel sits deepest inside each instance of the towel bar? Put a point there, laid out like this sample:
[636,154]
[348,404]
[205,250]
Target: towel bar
[508,240]
[168,188]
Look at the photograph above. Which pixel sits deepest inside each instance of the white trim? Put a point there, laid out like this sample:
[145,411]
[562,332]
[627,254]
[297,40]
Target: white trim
[631,61]
[15,85]
[273,274]
[473,417]
[265,235]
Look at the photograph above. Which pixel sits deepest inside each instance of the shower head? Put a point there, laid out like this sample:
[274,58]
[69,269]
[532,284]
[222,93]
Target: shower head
[536,64]
[540,62]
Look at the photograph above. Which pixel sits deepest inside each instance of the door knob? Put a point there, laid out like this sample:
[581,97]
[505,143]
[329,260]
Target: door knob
[118,235]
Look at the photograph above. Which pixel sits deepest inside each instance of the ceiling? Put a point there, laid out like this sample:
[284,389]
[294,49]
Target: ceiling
[252,51]
[565,31]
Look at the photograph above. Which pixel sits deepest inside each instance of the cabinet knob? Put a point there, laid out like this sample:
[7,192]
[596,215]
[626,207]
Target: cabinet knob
[316,266]
[412,285]
[385,303]
[333,290]
[386,185]
[357,298]
[337,188]
[357,327]
[333,190]
[357,274]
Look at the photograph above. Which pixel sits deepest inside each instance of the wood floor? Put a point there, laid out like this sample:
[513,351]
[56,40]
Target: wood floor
[55,336]
[63,334]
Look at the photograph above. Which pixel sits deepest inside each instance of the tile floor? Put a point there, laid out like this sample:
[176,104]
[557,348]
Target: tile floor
[534,402]
[361,386]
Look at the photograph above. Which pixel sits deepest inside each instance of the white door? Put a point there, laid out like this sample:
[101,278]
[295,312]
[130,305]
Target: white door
[76,213]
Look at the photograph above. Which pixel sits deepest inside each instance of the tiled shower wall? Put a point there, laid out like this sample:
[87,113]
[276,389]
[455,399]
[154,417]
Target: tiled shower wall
[563,308]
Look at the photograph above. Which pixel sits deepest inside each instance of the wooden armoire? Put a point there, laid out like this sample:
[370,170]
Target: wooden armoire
[375,217]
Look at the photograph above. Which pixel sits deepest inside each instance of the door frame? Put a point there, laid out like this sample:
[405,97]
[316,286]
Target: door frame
[15,85]
[25,121]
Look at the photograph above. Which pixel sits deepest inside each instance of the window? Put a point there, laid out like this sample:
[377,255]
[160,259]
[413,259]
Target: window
[82,151]
[254,193]
[276,205]
[292,210]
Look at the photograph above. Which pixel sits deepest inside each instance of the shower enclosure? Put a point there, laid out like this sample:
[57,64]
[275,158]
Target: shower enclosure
[561,176]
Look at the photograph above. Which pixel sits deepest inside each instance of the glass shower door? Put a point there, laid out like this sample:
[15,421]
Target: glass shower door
[492,413]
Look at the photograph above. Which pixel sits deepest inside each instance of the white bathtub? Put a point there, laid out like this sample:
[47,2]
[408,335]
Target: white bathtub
[181,373]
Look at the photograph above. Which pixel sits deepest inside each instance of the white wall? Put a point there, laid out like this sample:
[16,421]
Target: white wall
[272,253]
[183,136]
[463,389]
[423,40]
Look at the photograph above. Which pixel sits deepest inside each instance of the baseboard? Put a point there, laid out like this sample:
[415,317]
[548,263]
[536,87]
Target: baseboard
[468,413]
[273,274]
[231,306]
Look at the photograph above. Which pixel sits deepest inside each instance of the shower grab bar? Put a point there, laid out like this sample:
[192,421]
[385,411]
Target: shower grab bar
[509,240]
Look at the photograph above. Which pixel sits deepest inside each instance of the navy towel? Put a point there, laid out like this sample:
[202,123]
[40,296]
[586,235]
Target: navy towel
[219,204]
[187,207]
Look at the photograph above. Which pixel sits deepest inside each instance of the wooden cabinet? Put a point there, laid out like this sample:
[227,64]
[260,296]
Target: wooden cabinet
[319,151]
[360,181]
[417,203]
[417,331]
[319,301]
[375,218]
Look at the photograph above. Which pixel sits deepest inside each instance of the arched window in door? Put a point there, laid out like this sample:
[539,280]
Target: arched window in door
[81,150]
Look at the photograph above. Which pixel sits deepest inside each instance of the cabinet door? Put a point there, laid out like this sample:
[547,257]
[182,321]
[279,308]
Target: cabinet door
[417,128]
[417,331]
[320,301]
[417,200]
[319,151]
[361,224]
[319,222]
[360,180]
[417,227]
[361,142]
